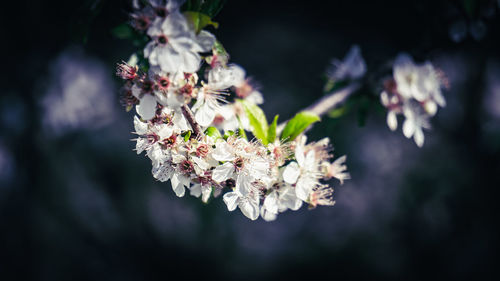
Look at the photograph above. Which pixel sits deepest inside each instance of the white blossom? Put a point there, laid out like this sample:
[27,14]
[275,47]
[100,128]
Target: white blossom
[253,176]
[248,203]
[414,92]
[175,46]
[304,172]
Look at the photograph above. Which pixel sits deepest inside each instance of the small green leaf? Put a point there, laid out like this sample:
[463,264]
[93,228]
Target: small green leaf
[271,133]
[199,20]
[186,136]
[330,83]
[213,132]
[227,134]
[241,131]
[219,49]
[298,124]
[257,119]
[123,31]
[339,112]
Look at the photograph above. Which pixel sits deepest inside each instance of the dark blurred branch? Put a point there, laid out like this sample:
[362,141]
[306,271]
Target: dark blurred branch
[329,102]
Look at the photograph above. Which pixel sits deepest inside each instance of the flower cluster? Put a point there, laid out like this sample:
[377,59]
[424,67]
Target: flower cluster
[189,93]
[415,92]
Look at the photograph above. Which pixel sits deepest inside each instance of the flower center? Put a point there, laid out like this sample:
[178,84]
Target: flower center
[147,86]
[202,150]
[186,90]
[169,142]
[142,23]
[162,39]
[163,83]
[239,163]
[186,166]
[230,183]
[161,12]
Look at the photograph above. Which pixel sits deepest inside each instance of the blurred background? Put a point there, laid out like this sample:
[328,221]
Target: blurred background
[77,203]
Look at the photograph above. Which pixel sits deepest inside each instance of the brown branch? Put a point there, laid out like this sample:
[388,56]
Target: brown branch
[188,114]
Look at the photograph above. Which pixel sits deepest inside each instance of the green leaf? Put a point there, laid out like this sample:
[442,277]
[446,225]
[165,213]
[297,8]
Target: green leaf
[257,119]
[271,132]
[186,135]
[298,124]
[213,132]
[199,20]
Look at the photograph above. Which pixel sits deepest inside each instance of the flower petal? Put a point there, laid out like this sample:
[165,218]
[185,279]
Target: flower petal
[271,202]
[206,191]
[419,137]
[231,199]
[140,127]
[223,172]
[205,41]
[304,187]
[408,128]
[223,152]
[147,107]
[205,115]
[195,190]
[249,208]
[177,186]
[392,120]
[291,173]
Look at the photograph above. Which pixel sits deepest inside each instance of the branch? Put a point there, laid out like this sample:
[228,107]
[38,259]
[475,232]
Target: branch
[328,102]
[197,132]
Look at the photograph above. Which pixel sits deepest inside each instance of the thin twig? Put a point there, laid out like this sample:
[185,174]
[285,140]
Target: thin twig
[197,132]
[328,102]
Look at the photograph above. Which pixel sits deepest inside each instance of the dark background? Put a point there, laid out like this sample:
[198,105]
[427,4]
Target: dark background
[76,203]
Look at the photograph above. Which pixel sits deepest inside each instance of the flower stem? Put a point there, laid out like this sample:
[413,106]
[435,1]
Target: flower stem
[188,114]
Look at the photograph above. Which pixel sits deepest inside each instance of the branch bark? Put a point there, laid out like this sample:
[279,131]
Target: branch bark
[188,114]
[328,102]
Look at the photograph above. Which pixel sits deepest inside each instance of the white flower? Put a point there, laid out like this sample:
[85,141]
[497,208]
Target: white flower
[175,46]
[278,201]
[209,99]
[223,77]
[206,106]
[240,165]
[406,74]
[248,204]
[303,173]
[416,93]
[151,134]
[337,169]
[321,195]
[430,85]
[420,82]
[414,123]
[202,188]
